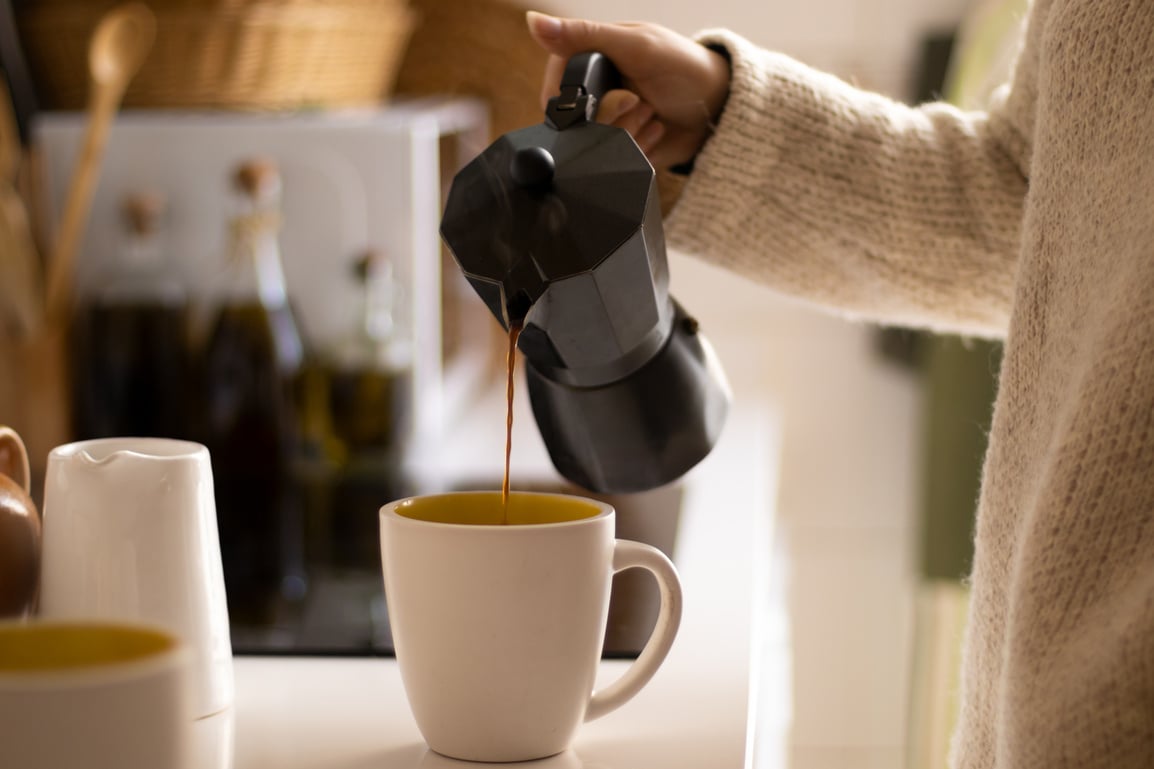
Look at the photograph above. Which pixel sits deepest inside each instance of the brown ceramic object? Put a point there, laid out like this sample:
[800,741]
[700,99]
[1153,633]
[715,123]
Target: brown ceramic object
[19,529]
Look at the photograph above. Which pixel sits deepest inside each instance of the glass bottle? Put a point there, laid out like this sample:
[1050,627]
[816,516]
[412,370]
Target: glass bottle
[370,393]
[132,358]
[252,358]
[371,369]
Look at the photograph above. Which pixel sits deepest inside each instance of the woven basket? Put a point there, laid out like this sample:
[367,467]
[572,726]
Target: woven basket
[230,54]
[482,48]
[478,48]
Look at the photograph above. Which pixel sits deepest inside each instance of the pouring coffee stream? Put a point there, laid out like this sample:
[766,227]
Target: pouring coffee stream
[511,367]
[558,226]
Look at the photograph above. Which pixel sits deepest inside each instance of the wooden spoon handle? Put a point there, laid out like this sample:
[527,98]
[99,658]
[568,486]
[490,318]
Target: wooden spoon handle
[119,46]
[9,136]
[102,109]
[20,287]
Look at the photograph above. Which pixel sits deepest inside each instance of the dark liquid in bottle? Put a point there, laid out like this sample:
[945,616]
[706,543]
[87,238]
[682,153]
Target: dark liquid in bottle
[370,407]
[251,362]
[370,410]
[131,370]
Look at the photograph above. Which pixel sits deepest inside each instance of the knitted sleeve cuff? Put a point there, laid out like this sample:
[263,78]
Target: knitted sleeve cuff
[851,199]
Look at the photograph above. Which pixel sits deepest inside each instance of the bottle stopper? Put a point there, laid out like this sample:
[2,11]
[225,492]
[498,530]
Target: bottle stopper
[142,211]
[257,178]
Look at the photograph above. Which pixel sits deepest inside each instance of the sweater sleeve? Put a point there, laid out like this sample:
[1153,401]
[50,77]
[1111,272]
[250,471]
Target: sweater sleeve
[903,215]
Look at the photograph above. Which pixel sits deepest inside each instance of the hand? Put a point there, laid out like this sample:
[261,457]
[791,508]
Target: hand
[674,90]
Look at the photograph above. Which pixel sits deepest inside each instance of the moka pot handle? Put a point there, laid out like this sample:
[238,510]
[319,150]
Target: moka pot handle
[587,77]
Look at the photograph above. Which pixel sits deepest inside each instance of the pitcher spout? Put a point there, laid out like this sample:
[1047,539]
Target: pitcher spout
[104,451]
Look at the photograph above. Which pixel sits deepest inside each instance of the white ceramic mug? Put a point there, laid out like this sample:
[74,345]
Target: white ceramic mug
[130,534]
[498,627]
[93,696]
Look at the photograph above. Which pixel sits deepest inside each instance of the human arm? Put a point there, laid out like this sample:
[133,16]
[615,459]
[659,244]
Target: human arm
[674,88]
[839,196]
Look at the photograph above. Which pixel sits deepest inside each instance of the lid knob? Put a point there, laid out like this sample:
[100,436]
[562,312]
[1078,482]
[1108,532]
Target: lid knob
[532,168]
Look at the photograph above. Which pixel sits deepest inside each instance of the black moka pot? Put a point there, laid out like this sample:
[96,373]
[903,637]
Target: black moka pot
[558,226]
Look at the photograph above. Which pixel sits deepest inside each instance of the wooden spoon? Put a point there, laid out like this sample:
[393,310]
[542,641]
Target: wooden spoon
[118,48]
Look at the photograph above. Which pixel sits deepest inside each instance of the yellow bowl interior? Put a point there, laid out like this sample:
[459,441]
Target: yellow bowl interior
[43,647]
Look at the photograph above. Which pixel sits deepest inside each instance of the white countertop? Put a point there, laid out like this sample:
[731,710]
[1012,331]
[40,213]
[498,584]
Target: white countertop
[697,712]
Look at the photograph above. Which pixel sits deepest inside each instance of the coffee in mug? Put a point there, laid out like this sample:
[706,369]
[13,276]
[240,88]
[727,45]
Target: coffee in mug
[498,622]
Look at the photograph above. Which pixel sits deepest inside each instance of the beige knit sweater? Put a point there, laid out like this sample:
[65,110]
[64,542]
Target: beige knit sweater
[1034,222]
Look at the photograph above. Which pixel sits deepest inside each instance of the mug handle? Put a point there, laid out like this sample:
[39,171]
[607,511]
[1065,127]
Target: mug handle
[14,458]
[627,555]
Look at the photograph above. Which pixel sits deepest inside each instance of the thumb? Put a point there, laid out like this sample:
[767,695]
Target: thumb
[565,37]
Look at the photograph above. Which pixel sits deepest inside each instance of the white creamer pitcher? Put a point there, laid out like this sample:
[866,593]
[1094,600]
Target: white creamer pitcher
[130,533]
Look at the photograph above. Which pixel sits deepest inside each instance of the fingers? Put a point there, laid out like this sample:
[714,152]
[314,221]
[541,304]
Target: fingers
[629,45]
[633,120]
[624,109]
[649,137]
[546,30]
[615,104]
[632,48]
[565,37]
